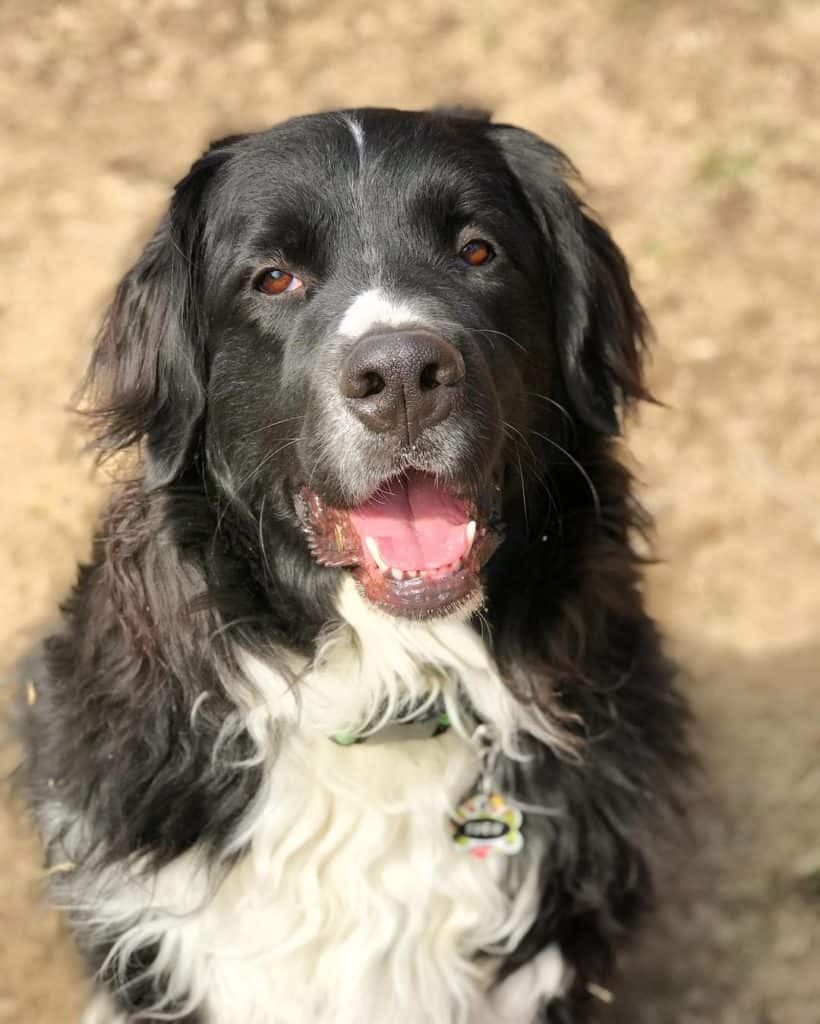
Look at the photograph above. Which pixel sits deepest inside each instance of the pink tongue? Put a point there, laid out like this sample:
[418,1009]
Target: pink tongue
[416,524]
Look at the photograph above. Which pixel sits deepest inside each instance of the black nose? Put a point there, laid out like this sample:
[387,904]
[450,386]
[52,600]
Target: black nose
[403,382]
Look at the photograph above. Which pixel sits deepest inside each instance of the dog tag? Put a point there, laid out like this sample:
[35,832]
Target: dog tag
[488,821]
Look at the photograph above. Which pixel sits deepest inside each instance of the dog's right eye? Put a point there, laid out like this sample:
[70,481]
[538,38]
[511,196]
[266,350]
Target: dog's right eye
[476,252]
[274,281]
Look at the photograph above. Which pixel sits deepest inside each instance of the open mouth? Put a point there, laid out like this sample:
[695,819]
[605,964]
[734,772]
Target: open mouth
[415,547]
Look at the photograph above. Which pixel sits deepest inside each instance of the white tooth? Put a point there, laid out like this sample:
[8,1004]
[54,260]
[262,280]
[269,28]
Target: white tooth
[471,528]
[397,574]
[375,554]
[411,573]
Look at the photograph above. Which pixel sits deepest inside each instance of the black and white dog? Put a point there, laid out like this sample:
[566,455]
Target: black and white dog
[356,715]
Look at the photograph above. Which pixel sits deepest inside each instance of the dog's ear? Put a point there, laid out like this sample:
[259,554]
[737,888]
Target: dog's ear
[598,323]
[146,379]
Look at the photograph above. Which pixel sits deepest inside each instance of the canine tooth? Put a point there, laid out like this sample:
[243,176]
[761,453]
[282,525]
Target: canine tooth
[397,574]
[471,529]
[375,554]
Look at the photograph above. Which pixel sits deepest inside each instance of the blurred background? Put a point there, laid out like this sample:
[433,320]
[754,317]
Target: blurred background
[697,127]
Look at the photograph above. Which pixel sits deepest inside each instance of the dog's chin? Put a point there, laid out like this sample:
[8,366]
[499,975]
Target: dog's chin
[415,548]
[456,592]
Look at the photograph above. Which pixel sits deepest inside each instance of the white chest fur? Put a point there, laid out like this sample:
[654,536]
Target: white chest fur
[352,905]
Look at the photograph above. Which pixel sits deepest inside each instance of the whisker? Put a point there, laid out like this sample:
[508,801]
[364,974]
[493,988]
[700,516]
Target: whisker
[509,426]
[523,493]
[313,468]
[535,469]
[265,561]
[254,473]
[502,334]
[270,426]
[482,330]
[484,627]
[592,489]
[235,490]
[562,409]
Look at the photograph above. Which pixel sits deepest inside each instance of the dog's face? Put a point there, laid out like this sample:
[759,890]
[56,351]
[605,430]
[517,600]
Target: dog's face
[358,322]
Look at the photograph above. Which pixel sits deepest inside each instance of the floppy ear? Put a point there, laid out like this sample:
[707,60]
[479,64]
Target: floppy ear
[146,379]
[599,325]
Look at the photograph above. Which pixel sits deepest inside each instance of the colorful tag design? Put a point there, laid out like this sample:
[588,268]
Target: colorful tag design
[487,823]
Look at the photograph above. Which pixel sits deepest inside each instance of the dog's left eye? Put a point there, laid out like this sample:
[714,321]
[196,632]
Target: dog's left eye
[274,281]
[476,252]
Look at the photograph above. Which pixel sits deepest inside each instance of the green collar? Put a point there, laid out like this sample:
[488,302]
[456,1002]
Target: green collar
[433,724]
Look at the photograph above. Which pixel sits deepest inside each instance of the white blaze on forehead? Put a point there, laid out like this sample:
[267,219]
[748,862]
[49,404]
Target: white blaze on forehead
[374,308]
[357,132]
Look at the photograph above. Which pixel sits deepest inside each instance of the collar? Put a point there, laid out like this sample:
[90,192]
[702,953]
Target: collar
[417,729]
[434,721]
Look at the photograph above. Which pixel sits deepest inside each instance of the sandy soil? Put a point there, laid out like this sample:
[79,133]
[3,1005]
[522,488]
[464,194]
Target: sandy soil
[697,126]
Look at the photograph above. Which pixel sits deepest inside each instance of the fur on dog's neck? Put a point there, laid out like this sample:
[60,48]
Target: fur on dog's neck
[347,849]
[371,669]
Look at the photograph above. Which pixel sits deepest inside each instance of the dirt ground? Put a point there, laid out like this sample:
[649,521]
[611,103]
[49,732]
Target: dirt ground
[697,126]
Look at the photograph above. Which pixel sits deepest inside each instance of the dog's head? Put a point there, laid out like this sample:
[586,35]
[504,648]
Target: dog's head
[372,325]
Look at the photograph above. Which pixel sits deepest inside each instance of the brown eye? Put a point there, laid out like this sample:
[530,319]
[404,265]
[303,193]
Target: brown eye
[476,252]
[277,282]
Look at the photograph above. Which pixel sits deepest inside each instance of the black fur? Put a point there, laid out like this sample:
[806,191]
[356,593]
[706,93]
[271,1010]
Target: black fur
[203,548]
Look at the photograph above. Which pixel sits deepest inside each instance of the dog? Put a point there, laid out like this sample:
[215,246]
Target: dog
[356,713]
